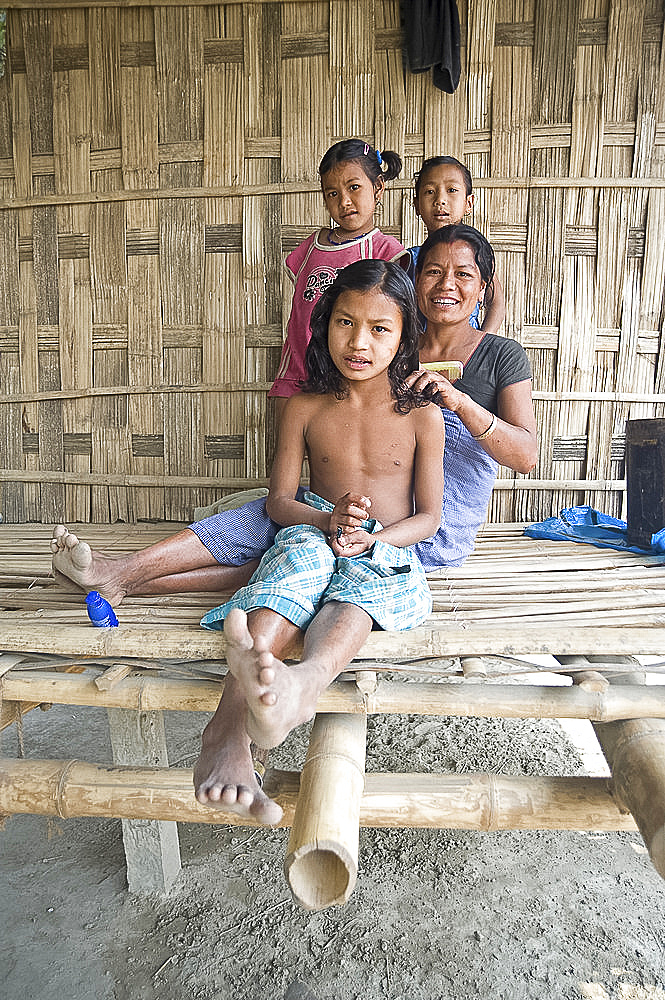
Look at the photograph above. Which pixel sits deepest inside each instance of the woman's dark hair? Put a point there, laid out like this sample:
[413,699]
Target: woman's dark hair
[482,249]
[443,161]
[359,151]
[364,275]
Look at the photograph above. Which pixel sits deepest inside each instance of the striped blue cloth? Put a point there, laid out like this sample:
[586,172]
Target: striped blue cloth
[300,573]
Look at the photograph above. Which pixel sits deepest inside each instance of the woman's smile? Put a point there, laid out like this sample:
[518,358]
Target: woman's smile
[449,283]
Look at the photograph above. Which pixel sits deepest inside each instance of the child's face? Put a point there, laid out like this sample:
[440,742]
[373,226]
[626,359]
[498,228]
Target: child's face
[351,197]
[449,284]
[364,334]
[442,199]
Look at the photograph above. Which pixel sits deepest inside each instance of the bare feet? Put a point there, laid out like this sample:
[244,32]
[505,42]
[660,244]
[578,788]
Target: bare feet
[279,697]
[224,776]
[87,569]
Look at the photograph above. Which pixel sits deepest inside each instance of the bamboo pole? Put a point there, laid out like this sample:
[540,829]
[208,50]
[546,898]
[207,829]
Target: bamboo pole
[321,864]
[450,638]
[71,788]
[302,187]
[82,392]
[145,692]
[635,752]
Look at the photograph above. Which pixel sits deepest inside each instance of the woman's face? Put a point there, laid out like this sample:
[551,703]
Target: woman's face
[449,284]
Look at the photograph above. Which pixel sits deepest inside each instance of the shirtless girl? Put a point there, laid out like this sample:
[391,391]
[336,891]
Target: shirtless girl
[342,562]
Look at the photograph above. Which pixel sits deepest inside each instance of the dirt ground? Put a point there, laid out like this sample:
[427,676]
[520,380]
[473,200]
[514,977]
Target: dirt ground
[434,915]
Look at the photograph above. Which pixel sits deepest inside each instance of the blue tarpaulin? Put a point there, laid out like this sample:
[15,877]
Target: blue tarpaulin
[584,524]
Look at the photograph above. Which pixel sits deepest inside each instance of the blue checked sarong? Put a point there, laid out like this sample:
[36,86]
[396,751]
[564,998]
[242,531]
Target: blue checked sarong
[300,573]
[469,474]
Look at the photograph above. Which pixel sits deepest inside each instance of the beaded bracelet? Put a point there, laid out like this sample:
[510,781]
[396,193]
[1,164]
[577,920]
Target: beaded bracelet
[490,430]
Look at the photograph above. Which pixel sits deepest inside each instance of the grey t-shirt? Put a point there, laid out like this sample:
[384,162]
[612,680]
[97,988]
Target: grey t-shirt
[495,363]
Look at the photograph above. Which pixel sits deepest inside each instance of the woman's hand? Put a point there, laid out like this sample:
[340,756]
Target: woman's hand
[348,514]
[435,387]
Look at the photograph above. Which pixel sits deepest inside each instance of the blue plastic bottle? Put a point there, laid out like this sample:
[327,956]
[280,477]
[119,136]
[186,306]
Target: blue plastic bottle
[100,611]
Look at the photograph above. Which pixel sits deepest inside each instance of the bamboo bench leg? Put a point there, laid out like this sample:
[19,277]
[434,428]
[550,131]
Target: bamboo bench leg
[635,752]
[321,863]
[152,848]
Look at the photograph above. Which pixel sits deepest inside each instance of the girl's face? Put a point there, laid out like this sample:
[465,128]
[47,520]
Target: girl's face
[442,199]
[449,284]
[364,334]
[351,198]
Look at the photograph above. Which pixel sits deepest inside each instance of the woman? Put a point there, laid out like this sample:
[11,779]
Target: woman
[489,422]
[488,412]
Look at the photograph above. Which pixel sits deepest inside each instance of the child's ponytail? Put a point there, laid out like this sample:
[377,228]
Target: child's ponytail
[393,164]
[386,164]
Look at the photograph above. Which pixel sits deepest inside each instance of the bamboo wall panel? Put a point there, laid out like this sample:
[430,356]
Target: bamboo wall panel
[157,162]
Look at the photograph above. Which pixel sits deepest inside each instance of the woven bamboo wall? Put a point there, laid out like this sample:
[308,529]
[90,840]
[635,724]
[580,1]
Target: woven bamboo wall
[157,161]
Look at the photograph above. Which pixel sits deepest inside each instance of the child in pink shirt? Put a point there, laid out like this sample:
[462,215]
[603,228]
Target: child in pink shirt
[352,180]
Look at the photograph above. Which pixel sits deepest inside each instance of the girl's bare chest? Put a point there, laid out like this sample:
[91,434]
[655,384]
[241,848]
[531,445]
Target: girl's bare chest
[372,446]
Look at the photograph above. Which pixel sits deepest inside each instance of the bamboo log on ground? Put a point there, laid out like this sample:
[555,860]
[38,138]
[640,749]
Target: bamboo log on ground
[146,692]
[483,802]
[321,864]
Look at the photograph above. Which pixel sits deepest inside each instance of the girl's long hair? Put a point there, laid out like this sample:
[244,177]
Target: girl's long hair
[390,279]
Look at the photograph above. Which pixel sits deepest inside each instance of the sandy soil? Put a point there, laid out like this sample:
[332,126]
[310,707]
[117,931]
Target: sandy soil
[434,915]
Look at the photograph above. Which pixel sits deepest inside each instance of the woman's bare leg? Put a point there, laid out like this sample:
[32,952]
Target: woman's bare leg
[180,562]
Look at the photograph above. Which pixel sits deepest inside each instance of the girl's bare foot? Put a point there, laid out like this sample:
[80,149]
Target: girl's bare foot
[279,697]
[224,776]
[89,570]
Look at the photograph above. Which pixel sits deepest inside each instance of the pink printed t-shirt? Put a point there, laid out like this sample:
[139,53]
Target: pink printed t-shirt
[312,267]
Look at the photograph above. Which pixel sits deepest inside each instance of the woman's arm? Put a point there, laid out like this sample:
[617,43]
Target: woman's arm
[513,441]
[495,311]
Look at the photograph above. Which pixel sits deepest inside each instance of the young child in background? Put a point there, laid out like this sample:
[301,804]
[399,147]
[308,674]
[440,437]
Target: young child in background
[443,197]
[353,176]
[343,560]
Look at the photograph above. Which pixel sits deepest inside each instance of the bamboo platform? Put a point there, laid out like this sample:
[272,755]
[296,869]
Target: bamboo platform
[591,610]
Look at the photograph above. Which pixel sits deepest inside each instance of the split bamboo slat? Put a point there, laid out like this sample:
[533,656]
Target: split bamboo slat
[157,161]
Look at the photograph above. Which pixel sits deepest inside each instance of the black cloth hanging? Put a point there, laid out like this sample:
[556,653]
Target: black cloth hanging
[432,40]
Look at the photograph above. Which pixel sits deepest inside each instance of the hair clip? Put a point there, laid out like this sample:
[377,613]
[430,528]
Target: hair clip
[378,156]
[366,149]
